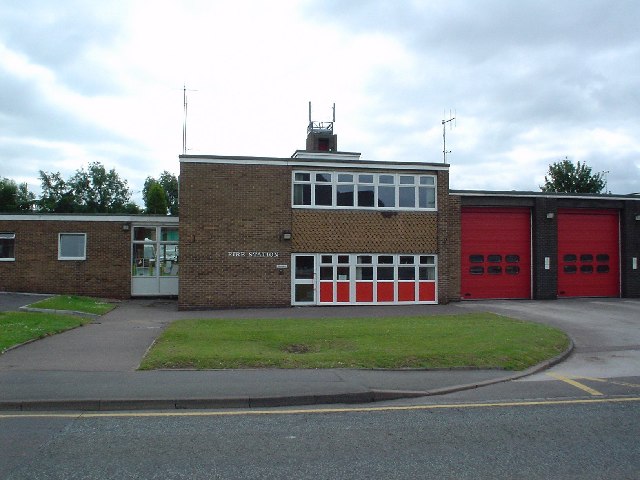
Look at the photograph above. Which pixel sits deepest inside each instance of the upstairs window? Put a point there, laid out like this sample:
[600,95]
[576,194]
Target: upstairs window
[7,247]
[383,191]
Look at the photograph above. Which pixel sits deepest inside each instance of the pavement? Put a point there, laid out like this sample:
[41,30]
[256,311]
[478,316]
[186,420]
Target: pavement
[94,367]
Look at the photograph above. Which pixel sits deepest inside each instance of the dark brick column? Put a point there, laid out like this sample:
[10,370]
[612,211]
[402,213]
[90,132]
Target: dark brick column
[630,243]
[545,245]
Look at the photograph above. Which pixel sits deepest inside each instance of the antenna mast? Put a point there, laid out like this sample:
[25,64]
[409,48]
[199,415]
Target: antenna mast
[184,122]
[444,134]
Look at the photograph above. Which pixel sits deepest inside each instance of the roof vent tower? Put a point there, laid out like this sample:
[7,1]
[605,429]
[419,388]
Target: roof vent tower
[320,136]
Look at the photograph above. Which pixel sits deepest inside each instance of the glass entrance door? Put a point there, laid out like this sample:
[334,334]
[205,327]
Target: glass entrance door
[304,288]
[154,261]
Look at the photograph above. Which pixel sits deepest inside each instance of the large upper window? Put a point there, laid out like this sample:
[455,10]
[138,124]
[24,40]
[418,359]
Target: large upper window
[7,246]
[387,191]
[72,246]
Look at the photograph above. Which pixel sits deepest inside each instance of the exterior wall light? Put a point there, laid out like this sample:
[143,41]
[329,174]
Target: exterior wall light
[638,217]
[125,227]
[551,215]
[285,235]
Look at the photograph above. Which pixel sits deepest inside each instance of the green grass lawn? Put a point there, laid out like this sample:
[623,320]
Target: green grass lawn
[75,304]
[481,340]
[20,327]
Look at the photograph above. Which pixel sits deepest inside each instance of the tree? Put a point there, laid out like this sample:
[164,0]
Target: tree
[15,197]
[169,184]
[564,176]
[156,199]
[91,191]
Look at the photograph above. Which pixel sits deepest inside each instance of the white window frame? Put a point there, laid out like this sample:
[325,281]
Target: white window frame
[9,236]
[75,234]
[355,183]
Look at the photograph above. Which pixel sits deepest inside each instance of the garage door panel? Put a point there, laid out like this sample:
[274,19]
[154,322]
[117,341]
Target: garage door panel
[496,253]
[588,253]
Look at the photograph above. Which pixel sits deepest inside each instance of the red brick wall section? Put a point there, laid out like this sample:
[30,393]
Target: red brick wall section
[237,209]
[36,269]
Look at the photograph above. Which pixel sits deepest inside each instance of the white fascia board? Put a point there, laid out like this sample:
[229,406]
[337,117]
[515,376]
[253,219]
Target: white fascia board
[154,219]
[317,163]
[470,193]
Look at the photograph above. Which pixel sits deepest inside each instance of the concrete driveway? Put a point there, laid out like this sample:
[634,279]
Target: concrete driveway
[606,332]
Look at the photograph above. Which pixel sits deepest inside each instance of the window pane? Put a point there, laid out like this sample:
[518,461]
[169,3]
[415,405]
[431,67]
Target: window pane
[365,178]
[7,245]
[602,269]
[343,273]
[406,273]
[570,257]
[476,258]
[386,197]
[72,245]
[586,257]
[144,234]
[144,260]
[407,197]
[385,273]
[602,257]
[427,259]
[427,197]
[302,194]
[494,269]
[476,270]
[344,195]
[304,293]
[386,179]
[494,258]
[323,177]
[326,259]
[302,177]
[169,234]
[365,196]
[343,258]
[427,181]
[345,177]
[324,194]
[407,180]
[364,259]
[168,259]
[512,258]
[428,273]
[326,273]
[385,259]
[512,270]
[364,273]
[407,259]
[570,269]
[586,268]
[304,267]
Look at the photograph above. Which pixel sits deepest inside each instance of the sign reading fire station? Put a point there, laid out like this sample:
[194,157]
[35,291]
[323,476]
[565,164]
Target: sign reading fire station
[255,254]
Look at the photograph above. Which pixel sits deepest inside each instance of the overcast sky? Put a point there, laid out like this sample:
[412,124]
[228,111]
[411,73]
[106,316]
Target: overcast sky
[530,82]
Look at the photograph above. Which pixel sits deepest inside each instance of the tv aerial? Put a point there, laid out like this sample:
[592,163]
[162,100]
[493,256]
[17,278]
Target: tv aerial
[452,118]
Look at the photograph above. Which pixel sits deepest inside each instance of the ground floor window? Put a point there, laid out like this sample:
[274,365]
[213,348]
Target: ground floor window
[7,246]
[155,260]
[72,246]
[372,278]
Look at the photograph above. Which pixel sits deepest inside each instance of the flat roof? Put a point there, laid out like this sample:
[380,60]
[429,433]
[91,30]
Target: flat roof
[314,159]
[516,193]
[91,217]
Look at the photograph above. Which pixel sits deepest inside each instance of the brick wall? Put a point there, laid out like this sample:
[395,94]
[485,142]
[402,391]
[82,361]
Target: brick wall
[545,244]
[630,229]
[449,245]
[237,209]
[36,269]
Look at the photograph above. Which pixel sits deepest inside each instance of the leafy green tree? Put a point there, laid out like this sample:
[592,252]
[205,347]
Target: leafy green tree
[169,183]
[156,199]
[15,197]
[564,176]
[95,190]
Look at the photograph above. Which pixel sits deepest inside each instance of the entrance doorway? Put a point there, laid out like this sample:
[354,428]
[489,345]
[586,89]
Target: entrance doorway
[154,260]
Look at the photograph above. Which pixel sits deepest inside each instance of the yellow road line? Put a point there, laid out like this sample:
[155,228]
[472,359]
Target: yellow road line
[299,411]
[614,382]
[579,385]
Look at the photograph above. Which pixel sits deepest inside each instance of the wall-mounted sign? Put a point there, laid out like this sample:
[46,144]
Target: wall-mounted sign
[255,254]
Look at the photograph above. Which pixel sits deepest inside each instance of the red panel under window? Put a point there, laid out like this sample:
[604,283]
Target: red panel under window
[427,291]
[406,291]
[343,291]
[326,292]
[364,292]
[385,291]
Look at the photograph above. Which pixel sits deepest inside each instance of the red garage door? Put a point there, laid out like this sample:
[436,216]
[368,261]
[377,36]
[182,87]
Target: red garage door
[588,258]
[496,253]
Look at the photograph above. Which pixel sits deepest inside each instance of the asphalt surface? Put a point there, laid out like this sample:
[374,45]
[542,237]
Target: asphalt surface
[94,367]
